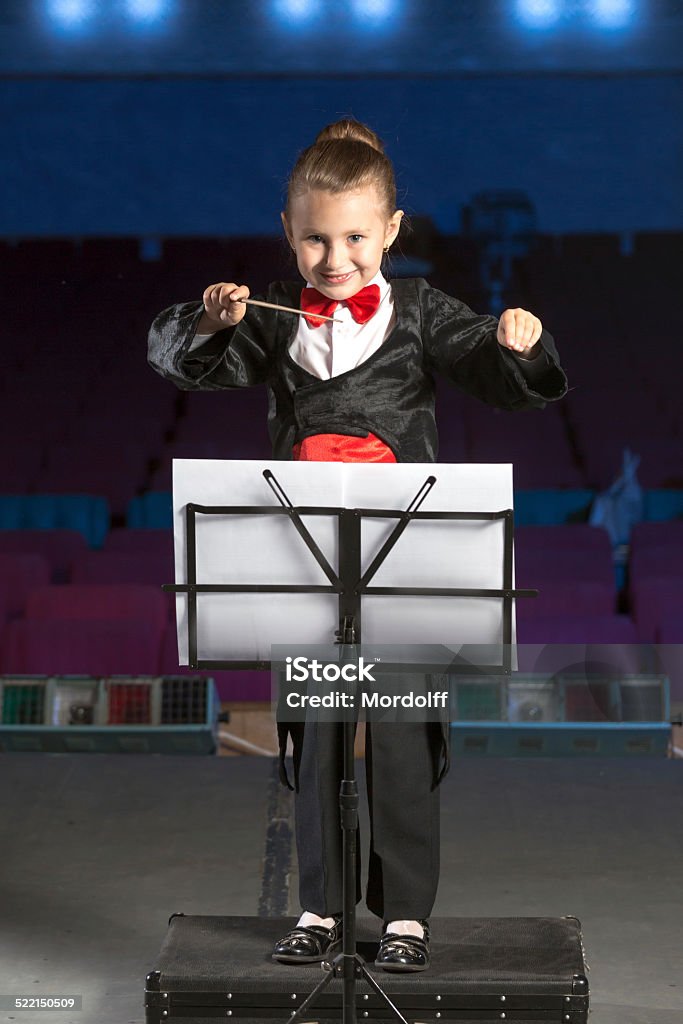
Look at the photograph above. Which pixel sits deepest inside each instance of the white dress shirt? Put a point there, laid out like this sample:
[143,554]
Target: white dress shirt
[334,348]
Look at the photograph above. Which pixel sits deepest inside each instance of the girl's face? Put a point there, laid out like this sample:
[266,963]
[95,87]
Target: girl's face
[339,238]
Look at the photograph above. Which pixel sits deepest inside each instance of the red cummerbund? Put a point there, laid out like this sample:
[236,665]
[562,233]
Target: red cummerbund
[342,448]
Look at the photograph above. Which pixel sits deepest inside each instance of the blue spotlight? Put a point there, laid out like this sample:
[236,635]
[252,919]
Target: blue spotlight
[148,10]
[296,11]
[538,13]
[612,13]
[374,10]
[70,14]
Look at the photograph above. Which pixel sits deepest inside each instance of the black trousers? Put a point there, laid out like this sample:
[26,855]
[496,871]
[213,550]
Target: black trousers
[401,771]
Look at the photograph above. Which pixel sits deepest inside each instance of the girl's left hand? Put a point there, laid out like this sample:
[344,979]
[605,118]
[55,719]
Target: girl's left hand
[518,330]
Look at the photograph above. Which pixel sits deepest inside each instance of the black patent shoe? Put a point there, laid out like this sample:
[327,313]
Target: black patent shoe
[404,952]
[309,945]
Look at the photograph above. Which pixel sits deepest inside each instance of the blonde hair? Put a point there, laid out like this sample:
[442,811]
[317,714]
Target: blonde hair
[346,156]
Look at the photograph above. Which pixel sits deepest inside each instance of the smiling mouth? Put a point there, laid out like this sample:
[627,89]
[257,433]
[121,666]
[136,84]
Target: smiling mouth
[338,278]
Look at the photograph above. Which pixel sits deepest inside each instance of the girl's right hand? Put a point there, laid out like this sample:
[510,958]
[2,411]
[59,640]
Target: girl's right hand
[221,305]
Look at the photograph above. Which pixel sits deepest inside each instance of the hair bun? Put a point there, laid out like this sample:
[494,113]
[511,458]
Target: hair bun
[345,157]
[347,128]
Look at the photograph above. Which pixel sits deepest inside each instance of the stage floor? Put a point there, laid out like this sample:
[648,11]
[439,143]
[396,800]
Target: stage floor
[98,851]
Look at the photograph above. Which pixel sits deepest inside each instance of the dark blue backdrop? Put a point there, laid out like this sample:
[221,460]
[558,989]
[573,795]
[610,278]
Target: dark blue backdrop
[132,157]
[165,117]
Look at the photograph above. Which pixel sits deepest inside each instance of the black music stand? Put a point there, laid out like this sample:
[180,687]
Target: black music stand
[350,585]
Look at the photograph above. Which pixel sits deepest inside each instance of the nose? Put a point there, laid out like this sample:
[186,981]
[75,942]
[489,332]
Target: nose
[334,257]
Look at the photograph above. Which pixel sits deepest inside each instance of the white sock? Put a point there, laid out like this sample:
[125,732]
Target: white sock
[406,928]
[307,919]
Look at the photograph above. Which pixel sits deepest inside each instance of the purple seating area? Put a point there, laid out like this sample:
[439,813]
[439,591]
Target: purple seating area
[106,615]
[59,548]
[596,630]
[561,599]
[577,605]
[79,601]
[140,541]
[571,567]
[565,565]
[655,581]
[606,644]
[21,574]
[537,443]
[656,604]
[622,393]
[84,414]
[146,567]
[76,646]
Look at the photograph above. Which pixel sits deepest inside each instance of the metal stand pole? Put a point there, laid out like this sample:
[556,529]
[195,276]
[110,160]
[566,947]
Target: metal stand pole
[348,965]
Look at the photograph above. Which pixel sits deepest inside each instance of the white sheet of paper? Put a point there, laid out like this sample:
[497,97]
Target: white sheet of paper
[267,549]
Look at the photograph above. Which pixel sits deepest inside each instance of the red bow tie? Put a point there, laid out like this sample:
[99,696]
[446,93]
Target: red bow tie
[363,305]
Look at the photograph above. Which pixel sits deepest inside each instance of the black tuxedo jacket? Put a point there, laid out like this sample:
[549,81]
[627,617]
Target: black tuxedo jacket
[390,395]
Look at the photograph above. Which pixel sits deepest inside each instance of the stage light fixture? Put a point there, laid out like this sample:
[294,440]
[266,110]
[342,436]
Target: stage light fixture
[71,14]
[612,14]
[538,14]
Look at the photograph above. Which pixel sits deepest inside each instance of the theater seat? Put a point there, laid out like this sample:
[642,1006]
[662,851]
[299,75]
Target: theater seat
[19,574]
[86,513]
[655,601]
[81,646]
[560,645]
[145,567]
[60,548]
[562,600]
[124,601]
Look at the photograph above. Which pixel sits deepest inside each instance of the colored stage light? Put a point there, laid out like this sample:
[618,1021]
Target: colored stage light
[296,11]
[148,11]
[611,14]
[71,14]
[538,14]
[374,10]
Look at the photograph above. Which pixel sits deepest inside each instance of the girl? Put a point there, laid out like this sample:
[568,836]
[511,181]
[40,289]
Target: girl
[360,389]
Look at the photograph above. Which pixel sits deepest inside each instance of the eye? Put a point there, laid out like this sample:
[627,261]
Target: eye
[314,238]
[356,238]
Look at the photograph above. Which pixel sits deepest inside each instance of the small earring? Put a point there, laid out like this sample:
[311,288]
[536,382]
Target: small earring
[386,249]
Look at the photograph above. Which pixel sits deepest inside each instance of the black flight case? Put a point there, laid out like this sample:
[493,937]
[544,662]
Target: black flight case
[522,969]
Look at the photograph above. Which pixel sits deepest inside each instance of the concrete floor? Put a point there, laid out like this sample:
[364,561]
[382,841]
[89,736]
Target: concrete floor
[99,850]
